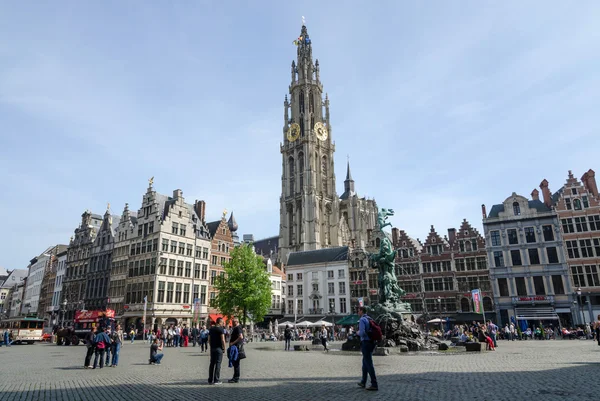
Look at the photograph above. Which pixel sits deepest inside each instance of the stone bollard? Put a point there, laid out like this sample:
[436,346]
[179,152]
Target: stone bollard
[300,347]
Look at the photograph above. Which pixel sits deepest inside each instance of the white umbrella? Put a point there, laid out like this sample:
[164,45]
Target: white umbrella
[276,327]
[321,323]
[437,320]
[305,323]
[270,326]
[283,324]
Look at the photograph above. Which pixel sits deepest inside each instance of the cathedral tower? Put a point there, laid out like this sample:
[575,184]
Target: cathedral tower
[309,216]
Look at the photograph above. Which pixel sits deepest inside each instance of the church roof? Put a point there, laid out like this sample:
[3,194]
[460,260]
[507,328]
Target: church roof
[318,256]
[266,246]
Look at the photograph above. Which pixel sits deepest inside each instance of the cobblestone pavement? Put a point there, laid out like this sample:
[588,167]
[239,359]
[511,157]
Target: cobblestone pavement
[547,370]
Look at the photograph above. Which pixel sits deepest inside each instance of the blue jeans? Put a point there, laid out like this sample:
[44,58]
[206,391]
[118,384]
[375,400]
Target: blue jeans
[367,348]
[157,358]
[493,336]
[176,340]
[116,348]
[108,349]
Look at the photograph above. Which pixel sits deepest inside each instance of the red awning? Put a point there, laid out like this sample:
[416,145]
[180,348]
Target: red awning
[214,316]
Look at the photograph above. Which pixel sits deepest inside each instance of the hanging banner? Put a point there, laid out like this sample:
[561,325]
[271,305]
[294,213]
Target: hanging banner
[477,302]
[196,309]
[360,302]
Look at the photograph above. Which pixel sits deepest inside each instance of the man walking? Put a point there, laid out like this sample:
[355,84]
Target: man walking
[236,338]
[367,346]
[194,335]
[89,343]
[493,331]
[185,333]
[203,339]
[217,347]
[177,336]
[287,335]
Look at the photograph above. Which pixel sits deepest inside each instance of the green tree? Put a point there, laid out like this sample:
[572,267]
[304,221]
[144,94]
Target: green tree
[246,288]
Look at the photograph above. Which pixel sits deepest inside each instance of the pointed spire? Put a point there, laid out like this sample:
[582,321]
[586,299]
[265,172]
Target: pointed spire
[348,174]
[232,223]
[348,184]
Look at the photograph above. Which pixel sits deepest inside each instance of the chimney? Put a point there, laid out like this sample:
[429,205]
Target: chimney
[589,181]
[546,193]
[451,235]
[178,193]
[395,236]
[200,209]
[483,211]
[535,194]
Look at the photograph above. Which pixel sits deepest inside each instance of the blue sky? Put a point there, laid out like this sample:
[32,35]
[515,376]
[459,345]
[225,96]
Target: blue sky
[441,106]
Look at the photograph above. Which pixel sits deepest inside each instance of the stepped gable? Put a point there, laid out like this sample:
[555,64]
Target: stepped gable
[467,233]
[403,241]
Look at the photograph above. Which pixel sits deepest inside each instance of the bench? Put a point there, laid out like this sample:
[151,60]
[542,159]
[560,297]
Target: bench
[473,347]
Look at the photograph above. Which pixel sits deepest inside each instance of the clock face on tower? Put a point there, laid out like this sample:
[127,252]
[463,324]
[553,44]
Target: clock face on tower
[293,132]
[321,131]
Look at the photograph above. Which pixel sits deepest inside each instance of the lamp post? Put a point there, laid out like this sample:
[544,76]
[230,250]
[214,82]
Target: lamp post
[64,311]
[439,300]
[580,306]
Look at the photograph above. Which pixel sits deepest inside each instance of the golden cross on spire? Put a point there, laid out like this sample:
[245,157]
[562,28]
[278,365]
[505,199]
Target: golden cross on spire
[151,181]
[224,213]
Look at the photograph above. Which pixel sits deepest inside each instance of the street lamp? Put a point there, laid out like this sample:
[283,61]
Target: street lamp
[64,311]
[439,300]
[580,306]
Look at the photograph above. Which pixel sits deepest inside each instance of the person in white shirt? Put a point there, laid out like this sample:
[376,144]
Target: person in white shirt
[512,332]
[324,338]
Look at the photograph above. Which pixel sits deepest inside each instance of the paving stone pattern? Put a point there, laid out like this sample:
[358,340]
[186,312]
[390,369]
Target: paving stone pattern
[548,370]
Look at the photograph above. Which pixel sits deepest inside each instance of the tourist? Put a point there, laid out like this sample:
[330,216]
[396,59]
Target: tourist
[217,347]
[170,336]
[185,333]
[367,346]
[132,334]
[195,333]
[109,348]
[236,339]
[117,341]
[155,357]
[492,329]
[6,337]
[464,338]
[287,336]
[89,343]
[176,336]
[102,342]
[203,339]
[323,336]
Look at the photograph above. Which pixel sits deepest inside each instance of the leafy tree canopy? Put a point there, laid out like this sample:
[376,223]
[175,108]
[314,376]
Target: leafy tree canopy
[246,287]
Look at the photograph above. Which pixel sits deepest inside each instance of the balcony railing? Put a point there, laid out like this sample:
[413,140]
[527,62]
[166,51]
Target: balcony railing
[315,311]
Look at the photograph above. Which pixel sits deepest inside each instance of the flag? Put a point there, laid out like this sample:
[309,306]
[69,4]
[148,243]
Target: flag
[477,303]
[146,299]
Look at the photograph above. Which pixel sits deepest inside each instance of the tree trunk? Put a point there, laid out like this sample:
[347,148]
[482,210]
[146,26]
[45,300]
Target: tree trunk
[244,317]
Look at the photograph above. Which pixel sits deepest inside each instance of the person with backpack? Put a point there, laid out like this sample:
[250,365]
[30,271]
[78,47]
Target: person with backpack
[204,339]
[89,343]
[368,331]
[185,334]
[102,342]
[288,337]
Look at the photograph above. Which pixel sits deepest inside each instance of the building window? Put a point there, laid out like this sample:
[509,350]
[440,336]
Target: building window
[172,267]
[196,270]
[548,233]
[552,254]
[186,293]
[181,248]
[557,283]
[586,248]
[213,277]
[202,295]
[538,284]
[597,246]
[515,256]
[503,287]
[521,288]
[576,204]
[330,274]
[299,290]
[190,250]
[331,305]
[298,276]
[188,269]
[290,290]
[495,238]
[204,272]
[214,259]
[341,273]
[180,268]
[585,201]
[161,291]
[591,272]
[529,235]
[578,276]
[581,224]
[342,287]
[534,256]
[568,203]
[212,299]
[205,253]
[572,250]
[173,246]
[290,277]
[178,293]
[170,293]
[315,287]
[165,245]
[516,209]
[498,259]
[513,239]
[343,308]
[330,288]
[567,226]
[182,230]
[175,229]
[594,223]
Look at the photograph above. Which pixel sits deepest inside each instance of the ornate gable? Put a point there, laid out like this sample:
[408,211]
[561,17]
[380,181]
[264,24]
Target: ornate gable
[467,239]
[574,195]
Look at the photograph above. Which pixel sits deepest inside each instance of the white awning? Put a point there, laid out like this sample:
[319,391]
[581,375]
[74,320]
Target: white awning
[536,314]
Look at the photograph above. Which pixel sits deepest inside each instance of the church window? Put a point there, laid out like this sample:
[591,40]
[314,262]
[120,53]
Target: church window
[324,172]
[291,175]
[291,224]
[312,121]
[312,102]
[302,125]
[301,168]
[516,209]
[301,102]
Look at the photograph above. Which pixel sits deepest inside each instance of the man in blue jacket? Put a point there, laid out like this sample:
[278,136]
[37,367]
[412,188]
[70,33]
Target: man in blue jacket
[367,346]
